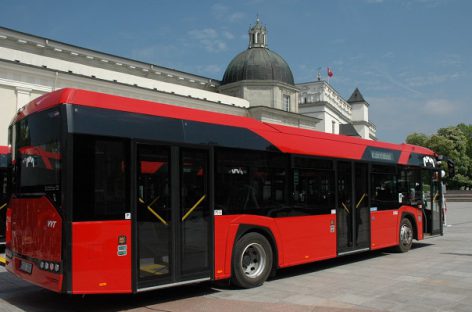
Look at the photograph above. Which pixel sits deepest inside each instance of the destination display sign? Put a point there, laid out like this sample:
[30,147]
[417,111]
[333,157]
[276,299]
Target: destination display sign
[381,155]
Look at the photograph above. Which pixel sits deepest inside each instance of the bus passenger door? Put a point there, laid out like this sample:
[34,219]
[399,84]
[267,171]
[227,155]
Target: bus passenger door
[154,215]
[353,215]
[194,218]
[432,201]
[173,215]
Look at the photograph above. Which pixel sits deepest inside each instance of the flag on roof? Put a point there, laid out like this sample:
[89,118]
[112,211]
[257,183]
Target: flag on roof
[330,72]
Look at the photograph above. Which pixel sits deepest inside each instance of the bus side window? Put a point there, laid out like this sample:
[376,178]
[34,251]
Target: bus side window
[250,181]
[100,178]
[409,185]
[384,188]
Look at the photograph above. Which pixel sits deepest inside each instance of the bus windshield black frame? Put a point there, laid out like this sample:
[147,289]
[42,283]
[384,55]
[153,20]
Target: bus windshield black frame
[37,155]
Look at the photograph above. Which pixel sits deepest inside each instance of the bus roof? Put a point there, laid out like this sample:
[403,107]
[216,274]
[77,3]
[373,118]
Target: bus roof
[285,138]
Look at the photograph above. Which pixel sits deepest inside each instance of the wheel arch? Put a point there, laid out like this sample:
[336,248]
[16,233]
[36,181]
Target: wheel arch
[244,229]
[412,219]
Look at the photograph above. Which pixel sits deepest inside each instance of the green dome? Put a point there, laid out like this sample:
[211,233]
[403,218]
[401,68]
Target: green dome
[258,63]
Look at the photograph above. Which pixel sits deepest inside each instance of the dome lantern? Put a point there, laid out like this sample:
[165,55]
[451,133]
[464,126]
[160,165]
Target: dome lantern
[257,35]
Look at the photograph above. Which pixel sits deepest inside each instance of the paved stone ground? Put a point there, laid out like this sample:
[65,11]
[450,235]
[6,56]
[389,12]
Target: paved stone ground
[436,275]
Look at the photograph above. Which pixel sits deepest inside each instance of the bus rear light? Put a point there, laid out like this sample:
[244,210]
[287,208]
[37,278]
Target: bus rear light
[50,266]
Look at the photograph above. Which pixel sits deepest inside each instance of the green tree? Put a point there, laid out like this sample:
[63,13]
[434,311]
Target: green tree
[454,143]
[417,139]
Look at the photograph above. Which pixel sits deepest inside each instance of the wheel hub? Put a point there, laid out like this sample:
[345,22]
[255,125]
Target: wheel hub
[406,235]
[253,260]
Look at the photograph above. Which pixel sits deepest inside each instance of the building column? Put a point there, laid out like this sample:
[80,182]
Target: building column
[23,97]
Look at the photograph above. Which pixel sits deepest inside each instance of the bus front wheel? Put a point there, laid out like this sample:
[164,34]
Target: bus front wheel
[252,260]
[406,236]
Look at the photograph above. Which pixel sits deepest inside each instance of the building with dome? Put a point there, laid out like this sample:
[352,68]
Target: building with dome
[257,83]
[265,80]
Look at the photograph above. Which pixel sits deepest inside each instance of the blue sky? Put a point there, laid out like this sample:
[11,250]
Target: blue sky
[411,59]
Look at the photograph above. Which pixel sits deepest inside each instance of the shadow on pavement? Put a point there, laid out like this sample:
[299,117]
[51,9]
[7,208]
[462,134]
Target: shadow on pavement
[26,297]
[326,264]
[332,263]
[33,298]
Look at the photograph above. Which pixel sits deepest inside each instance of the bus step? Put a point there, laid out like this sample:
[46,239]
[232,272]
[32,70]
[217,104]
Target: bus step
[3,261]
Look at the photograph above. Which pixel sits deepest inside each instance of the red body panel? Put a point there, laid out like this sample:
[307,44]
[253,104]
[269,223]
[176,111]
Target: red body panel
[36,233]
[36,229]
[97,266]
[307,239]
[298,239]
[385,226]
[417,214]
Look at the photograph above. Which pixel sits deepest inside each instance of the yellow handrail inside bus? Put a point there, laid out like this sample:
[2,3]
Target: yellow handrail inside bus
[193,208]
[3,206]
[345,208]
[360,200]
[153,212]
[154,201]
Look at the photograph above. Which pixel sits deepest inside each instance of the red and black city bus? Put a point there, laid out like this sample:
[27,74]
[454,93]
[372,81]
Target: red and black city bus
[4,161]
[118,195]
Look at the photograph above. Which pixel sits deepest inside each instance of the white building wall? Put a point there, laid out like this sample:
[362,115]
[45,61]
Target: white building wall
[7,110]
[363,131]
[114,76]
[259,96]
[360,112]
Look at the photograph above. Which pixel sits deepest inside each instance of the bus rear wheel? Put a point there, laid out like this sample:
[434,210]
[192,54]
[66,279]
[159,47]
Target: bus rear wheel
[406,236]
[252,261]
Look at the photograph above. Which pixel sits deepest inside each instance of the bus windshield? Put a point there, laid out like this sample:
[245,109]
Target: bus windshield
[37,154]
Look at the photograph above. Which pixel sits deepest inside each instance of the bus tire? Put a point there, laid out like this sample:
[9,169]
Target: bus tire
[406,235]
[252,261]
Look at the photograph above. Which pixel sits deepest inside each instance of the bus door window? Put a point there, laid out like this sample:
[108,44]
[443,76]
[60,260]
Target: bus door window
[345,217]
[194,212]
[154,212]
[436,202]
[361,206]
[426,196]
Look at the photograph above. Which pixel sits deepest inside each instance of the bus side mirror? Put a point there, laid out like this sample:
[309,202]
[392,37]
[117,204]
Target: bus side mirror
[451,168]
